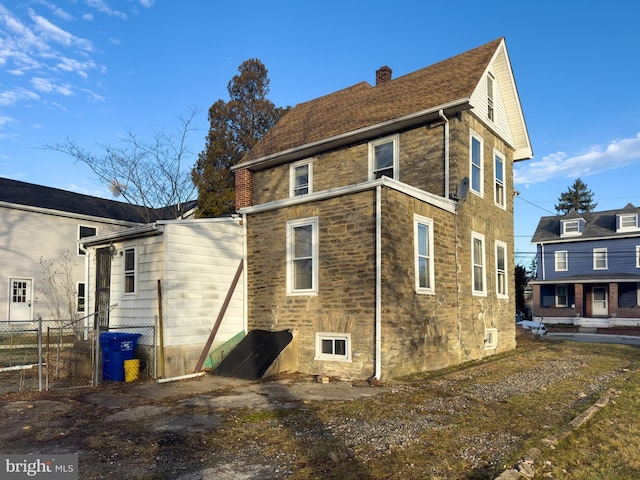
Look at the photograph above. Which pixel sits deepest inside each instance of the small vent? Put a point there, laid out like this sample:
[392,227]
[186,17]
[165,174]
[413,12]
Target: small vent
[490,338]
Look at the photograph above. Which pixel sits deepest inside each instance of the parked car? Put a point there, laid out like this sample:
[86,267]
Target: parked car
[520,316]
[537,328]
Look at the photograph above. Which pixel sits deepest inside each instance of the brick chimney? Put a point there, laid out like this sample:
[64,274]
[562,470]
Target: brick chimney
[244,188]
[383,74]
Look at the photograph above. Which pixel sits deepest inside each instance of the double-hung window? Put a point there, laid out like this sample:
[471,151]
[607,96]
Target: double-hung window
[499,179]
[301,178]
[302,256]
[130,270]
[600,259]
[476,160]
[490,111]
[333,346]
[84,232]
[637,256]
[478,264]
[562,299]
[423,245]
[81,298]
[383,158]
[561,261]
[501,269]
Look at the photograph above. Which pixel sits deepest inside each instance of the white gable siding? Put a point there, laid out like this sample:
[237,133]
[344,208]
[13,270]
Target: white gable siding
[500,123]
[26,236]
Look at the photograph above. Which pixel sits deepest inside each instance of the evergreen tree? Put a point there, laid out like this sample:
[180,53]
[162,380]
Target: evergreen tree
[578,197]
[235,127]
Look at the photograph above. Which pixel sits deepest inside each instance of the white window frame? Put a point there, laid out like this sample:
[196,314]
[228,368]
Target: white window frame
[332,357]
[420,221]
[490,338]
[568,228]
[293,188]
[475,264]
[81,297]
[131,272]
[498,183]
[291,226]
[566,295]
[395,140]
[473,136]
[599,255]
[638,258]
[80,236]
[490,96]
[625,217]
[559,257]
[501,273]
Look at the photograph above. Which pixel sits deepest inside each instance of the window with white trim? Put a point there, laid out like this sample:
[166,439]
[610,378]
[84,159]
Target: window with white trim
[501,269]
[80,306]
[600,259]
[302,256]
[423,247]
[628,222]
[476,153]
[498,175]
[383,158]
[561,261]
[570,228]
[490,111]
[130,270]
[562,299]
[83,232]
[478,264]
[301,178]
[638,257]
[333,346]
[490,338]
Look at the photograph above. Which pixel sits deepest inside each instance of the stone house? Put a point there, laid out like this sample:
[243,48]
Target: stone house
[379,220]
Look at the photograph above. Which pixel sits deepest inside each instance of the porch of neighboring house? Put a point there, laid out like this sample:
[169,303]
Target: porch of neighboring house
[588,305]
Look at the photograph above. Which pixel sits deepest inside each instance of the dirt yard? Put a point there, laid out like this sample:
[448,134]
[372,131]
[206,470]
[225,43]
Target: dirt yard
[296,427]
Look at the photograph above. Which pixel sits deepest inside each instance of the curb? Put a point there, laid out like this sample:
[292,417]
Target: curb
[525,467]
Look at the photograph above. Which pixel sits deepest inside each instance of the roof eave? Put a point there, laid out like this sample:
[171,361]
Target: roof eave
[354,136]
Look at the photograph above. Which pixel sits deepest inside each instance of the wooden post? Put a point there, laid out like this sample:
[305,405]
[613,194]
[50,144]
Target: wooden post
[216,326]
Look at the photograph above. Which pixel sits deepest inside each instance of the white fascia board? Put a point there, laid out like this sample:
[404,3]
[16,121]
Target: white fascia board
[430,198]
[360,134]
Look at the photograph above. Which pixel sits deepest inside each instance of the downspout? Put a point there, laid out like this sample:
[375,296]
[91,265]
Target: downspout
[378,314]
[245,282]
[446,152]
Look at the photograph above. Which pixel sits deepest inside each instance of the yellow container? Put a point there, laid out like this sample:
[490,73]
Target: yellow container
[131,370]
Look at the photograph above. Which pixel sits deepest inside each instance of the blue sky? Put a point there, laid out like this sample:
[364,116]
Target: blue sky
[92,70]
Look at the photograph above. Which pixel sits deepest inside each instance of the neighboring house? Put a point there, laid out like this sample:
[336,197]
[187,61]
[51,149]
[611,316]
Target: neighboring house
[42,225]
[589,268]
[379,220]
[174,276]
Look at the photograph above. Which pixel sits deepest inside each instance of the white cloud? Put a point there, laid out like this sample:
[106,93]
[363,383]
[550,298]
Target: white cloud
[147,3]
[11,97]
[102,7]
[52,32]
[598,159]
[5,119]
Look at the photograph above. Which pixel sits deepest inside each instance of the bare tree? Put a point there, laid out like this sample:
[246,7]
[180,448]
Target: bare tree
[149,173]
[59,288]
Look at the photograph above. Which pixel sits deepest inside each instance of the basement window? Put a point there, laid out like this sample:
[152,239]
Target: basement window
[490,338]
[333,346]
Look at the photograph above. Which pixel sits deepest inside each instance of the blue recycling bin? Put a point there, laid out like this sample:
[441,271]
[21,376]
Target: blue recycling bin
[116,348]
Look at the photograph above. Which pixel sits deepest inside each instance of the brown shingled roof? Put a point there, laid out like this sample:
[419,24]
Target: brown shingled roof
[363,105]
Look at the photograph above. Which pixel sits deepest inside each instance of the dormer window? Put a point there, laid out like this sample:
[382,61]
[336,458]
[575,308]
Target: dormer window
[383,158]
[571,228]
[627,222]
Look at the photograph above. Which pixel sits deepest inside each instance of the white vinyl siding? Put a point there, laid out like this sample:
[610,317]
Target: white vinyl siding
[478,266]
[423,246]
[476,163]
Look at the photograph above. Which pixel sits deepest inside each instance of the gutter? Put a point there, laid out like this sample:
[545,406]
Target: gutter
[351,137]
[141,231]
[446,152]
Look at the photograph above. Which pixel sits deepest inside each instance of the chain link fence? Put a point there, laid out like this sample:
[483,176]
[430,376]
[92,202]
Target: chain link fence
[51,354]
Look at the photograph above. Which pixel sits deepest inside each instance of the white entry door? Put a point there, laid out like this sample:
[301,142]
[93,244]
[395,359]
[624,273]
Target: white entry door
[20,299]
[599,303]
